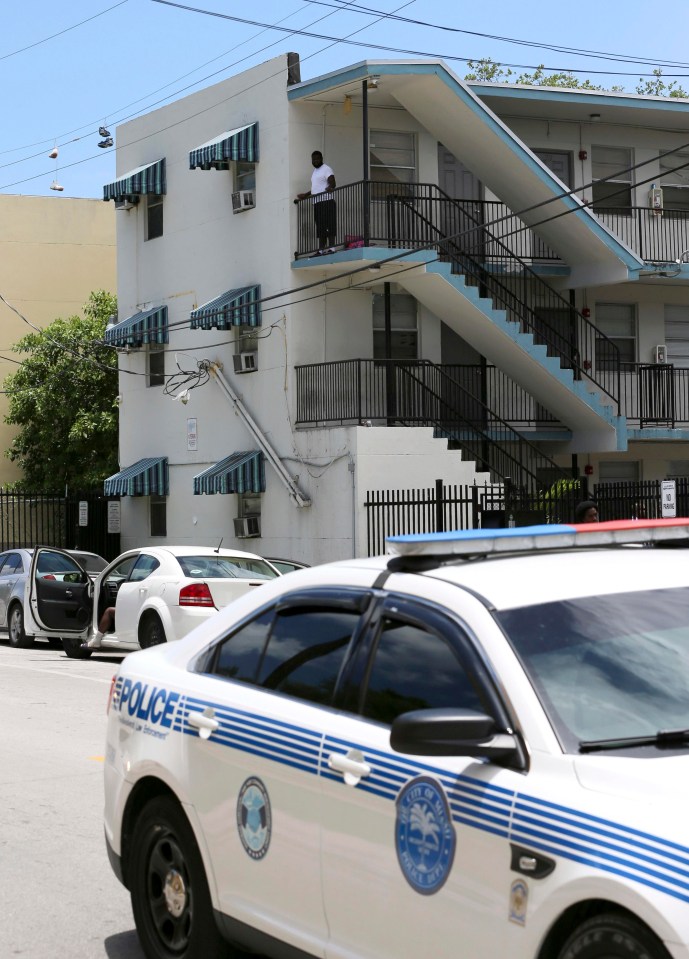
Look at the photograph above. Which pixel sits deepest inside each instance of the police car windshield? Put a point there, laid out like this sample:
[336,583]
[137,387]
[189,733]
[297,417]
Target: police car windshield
[607,668]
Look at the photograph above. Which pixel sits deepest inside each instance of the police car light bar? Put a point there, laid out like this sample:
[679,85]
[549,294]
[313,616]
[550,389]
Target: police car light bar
[471,542]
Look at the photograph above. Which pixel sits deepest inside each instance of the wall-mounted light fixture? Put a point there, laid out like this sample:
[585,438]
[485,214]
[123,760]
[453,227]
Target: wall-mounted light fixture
[594,117]
[372,83]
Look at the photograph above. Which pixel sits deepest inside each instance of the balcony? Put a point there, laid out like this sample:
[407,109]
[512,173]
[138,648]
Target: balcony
[360,391]
[368,216]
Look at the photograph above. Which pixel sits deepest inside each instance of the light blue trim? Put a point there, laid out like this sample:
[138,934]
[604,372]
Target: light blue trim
[658,433]
[588,98]
[439,69]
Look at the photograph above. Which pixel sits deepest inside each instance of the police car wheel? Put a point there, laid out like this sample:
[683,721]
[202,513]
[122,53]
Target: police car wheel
[169,890]
[151,632]
[72,648]
[611,936]
[15,630]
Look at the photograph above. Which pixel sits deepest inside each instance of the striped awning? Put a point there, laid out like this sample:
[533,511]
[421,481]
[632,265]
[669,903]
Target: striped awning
[148,326]
[218,153]
[143,478]
[143,180]
[234,308]
[242,472]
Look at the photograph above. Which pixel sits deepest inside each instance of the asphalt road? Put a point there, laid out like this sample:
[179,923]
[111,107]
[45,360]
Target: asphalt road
[58,895]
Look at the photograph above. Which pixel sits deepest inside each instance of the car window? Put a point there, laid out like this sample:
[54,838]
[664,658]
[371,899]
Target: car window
[224,567]
[91,562]
[297,651]
[415,668]
[607,667]
[143,567]
[12,564]
[49,562]
[122,570]
[284,565]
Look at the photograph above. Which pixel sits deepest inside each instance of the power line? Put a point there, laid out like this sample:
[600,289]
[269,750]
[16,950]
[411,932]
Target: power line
[60,33]
[406,52]
[537,44]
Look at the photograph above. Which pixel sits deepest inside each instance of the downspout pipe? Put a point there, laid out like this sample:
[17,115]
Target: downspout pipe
[215,369]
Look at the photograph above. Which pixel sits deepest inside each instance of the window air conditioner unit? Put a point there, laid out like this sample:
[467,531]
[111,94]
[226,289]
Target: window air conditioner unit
[247,526]
[242,200]
[660,353]
[126,204]
[245,362]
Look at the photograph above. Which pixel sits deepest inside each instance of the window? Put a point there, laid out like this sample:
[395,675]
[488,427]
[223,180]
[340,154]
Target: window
[618,471]
[392,157]
[675,183]
[143,567]
[405,337]
[156,364]
[677,334]
[615,193]
[297,651]
[618,322]
[225,567]
[414,668]
[244,175]
[158,514]
[154,217]
[677,469]
[607,667]
[248,504]
[13,564]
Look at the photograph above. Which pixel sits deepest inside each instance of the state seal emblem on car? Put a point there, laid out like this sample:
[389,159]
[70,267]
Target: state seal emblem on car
[424,835]
[254,818]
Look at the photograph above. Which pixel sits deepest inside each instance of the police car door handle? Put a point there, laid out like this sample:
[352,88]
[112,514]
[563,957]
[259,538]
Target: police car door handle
[204,722]
[353,766]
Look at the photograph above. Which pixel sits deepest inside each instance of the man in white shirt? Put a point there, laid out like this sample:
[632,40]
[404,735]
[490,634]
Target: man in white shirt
[324,207]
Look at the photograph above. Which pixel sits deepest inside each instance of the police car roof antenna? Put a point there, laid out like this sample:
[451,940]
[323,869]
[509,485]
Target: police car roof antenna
[217,548]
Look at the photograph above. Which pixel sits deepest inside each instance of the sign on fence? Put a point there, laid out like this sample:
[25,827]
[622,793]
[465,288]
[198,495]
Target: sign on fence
[668,499]
[83,512]
[114,516]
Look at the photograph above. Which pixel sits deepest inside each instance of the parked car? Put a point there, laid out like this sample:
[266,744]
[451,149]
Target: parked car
[159,593]
[14,571]
[478,747]
[286,565]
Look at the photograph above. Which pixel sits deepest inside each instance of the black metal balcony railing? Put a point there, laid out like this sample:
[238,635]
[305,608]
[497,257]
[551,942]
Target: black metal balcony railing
[354,391]
[421,216]
[420,393]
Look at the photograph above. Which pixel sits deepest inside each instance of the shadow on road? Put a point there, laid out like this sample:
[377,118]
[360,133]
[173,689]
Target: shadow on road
[125,945]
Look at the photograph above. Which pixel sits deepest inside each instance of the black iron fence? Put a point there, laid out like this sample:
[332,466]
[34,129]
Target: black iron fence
[420,393]
[75,521]
[444,507]
[656,237]
[650,395]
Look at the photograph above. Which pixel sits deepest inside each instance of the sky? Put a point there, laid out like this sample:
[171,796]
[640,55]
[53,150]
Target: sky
[68,69]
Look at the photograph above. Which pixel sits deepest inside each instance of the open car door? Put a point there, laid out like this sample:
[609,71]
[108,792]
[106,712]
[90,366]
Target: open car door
[60,594]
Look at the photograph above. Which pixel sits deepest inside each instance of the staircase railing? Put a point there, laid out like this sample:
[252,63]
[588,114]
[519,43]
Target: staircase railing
[421,393]
[422,215]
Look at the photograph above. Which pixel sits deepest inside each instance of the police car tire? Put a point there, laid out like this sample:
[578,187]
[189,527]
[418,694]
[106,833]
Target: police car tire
[611,936]
[163,841]
[72,648]
[15,631]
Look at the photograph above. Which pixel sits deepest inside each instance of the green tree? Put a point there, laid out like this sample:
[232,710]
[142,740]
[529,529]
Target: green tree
[63,399]
[486,71]
[657,87]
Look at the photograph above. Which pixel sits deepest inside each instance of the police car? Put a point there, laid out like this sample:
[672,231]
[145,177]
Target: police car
[474,748]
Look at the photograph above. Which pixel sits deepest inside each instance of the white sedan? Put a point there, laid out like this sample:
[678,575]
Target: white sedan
[159,594]
[475,749]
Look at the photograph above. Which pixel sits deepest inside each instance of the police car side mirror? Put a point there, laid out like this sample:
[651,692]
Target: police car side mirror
[454,732]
